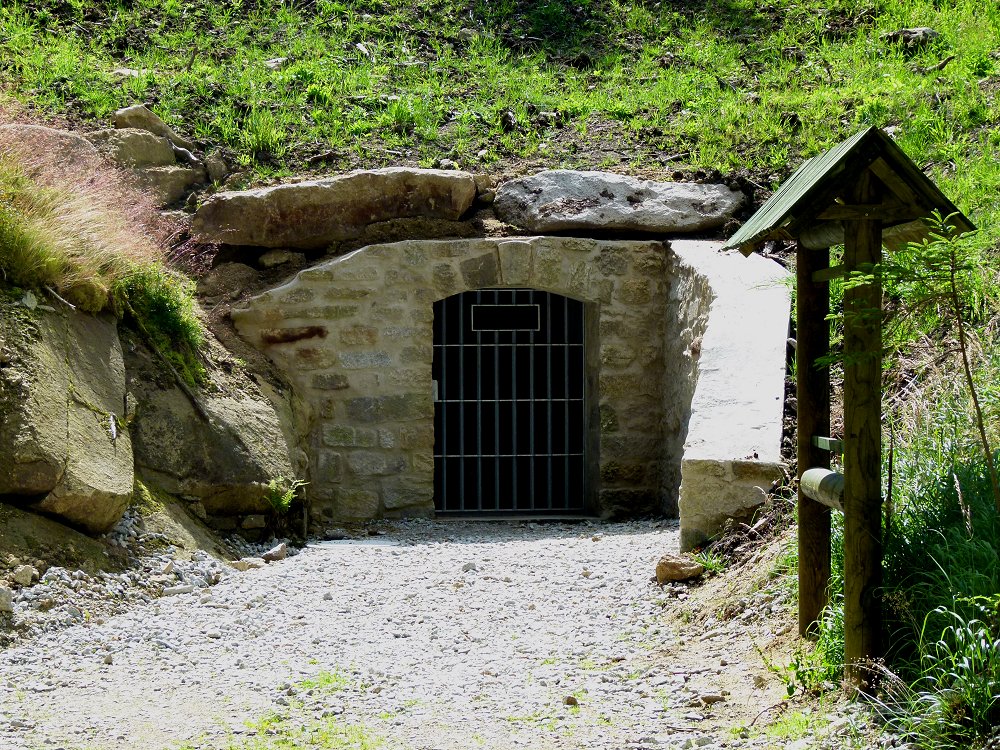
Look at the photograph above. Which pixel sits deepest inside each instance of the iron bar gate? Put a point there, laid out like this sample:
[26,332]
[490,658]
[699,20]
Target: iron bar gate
[510,403]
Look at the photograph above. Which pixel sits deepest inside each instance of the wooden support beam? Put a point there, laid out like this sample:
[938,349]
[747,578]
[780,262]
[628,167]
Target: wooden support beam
[862,448]
[812,341]
[891,212]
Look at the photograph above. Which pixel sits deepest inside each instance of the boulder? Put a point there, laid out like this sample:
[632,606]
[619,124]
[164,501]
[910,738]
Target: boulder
[221,453]
[6,600]
[276,553]
[50,145]
[561,200]
[62,447]
[919,36]
[313,214]
[677,568]
[139,116]
[168,184]
[228,281]
[216,167]
[24,575]
[132,147]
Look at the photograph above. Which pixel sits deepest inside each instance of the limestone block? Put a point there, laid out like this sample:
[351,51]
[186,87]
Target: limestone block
[406,494]
[480,271]
[132,147]
[356,504]
[560,200]
[358,335]
[62,435]
[516,262]
[737,402]
[313,214]
[140,117]
[713,491]
[365,360]
[169,184]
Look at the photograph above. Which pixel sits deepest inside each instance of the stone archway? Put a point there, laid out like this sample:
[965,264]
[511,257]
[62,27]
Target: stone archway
[355,336]
[688,369]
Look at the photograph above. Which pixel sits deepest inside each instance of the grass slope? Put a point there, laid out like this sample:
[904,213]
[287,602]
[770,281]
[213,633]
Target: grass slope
[731,85]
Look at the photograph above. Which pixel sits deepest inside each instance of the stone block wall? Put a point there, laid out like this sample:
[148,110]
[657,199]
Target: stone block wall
[354,335]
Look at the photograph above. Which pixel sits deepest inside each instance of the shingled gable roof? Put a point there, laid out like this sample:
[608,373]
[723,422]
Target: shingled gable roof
[818,190]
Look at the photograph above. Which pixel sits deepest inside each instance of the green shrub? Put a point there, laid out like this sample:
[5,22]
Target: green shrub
[160,303]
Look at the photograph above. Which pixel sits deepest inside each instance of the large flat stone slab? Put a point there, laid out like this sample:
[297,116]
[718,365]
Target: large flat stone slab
[313,214]
[64,449]
[561,200]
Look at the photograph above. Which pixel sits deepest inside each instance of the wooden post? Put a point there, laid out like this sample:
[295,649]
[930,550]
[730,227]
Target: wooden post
[862,446]
[812,387]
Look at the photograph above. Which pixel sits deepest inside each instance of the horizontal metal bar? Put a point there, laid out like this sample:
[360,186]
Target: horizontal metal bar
[824,486]
[828,444]
[507,345]
[508,400]
[507,455]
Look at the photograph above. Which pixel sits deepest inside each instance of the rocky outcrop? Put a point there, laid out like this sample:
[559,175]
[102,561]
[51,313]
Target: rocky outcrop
[140,117]
[63,447]
[167,185]
[162,162]
[313,214]
[132,147]
[50,145]
[222,451]
[561,200]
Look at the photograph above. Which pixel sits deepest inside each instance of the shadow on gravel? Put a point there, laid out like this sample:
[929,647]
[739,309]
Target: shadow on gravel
[493,531]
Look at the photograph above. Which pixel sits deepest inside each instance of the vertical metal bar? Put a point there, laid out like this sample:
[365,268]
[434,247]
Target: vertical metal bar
[513,409]
[479,415]
[566,392]
[442,404]
[496,410]
[548,375]
[461,402]
[531,410]
[583,407]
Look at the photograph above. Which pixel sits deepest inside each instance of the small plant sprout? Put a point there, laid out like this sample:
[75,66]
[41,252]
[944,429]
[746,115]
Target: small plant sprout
[280,493]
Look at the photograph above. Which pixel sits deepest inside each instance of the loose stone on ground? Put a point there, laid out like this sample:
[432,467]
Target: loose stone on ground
[437,635]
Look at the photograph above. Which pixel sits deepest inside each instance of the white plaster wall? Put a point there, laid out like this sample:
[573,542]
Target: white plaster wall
[732,453]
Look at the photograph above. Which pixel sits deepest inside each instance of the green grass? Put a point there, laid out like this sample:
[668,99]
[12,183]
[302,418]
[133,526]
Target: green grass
[730,85]
[276,732]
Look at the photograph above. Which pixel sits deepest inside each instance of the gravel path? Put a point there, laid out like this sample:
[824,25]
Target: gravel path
[435,636]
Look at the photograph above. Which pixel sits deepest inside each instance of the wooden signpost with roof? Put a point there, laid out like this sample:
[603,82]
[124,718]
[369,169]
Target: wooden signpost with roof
[863,193]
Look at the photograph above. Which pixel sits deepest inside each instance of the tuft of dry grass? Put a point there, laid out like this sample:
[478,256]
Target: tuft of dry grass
[74,229]
[68,223]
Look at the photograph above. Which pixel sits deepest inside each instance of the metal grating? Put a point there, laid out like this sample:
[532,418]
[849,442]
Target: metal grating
[509,412]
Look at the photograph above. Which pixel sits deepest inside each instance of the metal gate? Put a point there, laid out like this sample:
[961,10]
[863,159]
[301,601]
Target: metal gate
[510,412]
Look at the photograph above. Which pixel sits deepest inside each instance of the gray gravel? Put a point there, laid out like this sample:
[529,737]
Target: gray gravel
[437,635]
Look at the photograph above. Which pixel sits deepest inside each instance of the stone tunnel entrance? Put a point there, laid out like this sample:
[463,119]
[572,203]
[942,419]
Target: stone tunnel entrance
[513,396]
[532,375]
